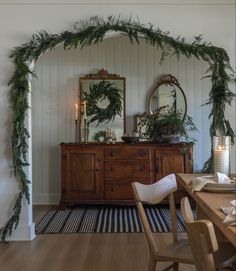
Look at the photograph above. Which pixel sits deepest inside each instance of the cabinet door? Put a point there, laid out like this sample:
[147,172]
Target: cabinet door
[81,175]
[169,161]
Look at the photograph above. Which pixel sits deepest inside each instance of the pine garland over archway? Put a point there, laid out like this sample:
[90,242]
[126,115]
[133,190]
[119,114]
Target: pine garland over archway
[92,31]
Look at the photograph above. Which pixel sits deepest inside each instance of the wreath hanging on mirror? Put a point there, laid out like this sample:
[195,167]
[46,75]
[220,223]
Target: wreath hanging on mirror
[99,92]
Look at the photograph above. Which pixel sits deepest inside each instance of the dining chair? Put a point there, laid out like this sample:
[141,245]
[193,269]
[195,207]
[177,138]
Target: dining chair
[208,254]
[179,250]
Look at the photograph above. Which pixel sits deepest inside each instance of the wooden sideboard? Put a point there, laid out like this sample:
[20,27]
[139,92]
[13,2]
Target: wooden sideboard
[102,173]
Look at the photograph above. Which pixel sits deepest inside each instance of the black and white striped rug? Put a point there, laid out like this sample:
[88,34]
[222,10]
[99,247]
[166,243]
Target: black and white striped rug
[106,219]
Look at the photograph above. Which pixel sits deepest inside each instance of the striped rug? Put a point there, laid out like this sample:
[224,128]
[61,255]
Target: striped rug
[106,219]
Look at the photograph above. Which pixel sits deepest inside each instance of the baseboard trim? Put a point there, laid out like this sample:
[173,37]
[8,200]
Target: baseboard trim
[46,199]
[23,233]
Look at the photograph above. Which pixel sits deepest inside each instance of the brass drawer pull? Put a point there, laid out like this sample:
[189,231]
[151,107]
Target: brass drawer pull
[111,169]
[141,153]
[113,188]
[111,154]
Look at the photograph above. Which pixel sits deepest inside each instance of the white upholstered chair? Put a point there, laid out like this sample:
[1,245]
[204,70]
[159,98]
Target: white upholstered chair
[179,251]
[208,254]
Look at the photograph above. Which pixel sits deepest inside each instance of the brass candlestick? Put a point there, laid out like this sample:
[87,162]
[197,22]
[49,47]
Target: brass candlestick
[76,131]
[86,130]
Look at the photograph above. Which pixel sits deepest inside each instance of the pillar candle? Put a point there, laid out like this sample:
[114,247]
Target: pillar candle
[76,111]
[85,110]
[221,161]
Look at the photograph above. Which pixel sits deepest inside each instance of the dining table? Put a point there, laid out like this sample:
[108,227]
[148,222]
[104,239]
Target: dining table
[209,206]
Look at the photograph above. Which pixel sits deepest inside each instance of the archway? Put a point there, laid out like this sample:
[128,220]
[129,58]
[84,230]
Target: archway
[91,32]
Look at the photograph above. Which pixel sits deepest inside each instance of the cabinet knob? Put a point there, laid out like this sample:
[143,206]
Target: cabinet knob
[141,153]
[157,169]
[111,169]
[113,188]
[142,169]
[111,154]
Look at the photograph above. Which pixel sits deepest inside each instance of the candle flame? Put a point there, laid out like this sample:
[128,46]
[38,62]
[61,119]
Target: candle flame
[76,106]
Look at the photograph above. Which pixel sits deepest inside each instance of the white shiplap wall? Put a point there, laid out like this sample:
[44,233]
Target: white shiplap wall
[56,90]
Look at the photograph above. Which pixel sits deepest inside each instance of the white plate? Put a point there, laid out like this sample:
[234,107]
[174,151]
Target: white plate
[220,189]
[221,185]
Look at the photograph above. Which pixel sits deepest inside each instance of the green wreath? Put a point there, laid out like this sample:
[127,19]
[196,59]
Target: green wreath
[101,91]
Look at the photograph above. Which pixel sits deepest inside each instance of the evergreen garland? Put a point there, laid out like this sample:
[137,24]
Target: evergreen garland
[101,91]
[92,31]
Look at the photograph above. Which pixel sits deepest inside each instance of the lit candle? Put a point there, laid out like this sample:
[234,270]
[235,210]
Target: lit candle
[221,160]
[76,111]
[85,113]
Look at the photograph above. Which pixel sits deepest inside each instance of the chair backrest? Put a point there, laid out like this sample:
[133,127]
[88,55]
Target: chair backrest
[153,194]
[201,237]
[186,210]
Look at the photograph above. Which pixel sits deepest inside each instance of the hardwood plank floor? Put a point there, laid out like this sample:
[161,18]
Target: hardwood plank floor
[81,252]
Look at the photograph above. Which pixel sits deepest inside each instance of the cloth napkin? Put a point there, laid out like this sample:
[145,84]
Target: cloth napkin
[230,212]
[199,182]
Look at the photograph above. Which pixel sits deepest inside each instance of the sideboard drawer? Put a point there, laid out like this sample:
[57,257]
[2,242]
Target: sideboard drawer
[126,169]
[120,189]
[127,154]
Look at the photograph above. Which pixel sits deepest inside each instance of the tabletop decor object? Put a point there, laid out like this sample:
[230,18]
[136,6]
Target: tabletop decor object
[221,154]
[130,138]
[76,122]
[168,126]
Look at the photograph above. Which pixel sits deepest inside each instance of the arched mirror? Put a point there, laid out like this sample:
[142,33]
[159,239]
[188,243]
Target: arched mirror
[168,93]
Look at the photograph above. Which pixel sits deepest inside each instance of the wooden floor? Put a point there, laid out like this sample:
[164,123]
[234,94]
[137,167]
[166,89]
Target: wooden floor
[81,252]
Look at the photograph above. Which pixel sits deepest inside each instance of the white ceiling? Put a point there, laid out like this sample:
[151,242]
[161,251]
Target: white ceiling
[112,2]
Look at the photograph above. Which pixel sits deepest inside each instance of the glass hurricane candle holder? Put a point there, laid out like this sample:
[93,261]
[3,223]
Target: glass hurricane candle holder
[221,154]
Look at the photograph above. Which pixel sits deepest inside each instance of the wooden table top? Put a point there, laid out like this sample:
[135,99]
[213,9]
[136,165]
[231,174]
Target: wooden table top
[210,203]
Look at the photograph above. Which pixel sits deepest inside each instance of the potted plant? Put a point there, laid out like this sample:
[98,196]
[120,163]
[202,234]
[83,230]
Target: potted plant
[169,126]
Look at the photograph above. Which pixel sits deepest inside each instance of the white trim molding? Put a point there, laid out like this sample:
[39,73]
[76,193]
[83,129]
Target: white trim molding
[46,199]
[23,233]
[117,2]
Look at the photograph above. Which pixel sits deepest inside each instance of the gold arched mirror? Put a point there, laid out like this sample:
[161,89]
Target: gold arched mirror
[168,92]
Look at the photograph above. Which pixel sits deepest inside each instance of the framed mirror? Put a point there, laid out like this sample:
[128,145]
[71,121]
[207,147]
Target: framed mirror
[102,114]
[168,92]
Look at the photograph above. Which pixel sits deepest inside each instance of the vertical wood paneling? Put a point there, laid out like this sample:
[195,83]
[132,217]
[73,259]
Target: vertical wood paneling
[198,111]
[206,122]
[142,91]
[56,91]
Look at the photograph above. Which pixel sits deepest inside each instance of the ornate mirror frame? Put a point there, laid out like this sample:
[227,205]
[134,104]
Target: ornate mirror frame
[102,75]
[167,79]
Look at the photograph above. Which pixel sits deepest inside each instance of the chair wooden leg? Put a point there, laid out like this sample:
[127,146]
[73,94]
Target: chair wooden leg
[176,267]
[152,264]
